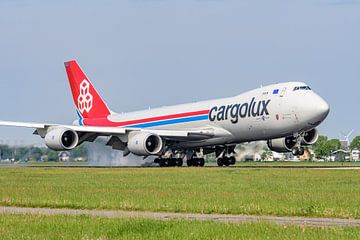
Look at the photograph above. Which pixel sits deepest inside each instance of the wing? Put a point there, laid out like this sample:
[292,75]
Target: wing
[90,133]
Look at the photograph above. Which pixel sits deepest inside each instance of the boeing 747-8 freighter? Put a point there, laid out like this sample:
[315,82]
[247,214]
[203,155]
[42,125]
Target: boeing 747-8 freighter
[285,115]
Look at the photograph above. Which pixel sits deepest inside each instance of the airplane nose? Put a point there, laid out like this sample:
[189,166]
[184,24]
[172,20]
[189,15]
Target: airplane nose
[311,109]
[322,108]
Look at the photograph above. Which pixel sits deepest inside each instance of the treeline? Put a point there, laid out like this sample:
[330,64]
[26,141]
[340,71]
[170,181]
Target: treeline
[324,146]
[32,153]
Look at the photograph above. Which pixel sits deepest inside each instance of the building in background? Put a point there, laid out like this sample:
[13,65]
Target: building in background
[340,155]
[355,155]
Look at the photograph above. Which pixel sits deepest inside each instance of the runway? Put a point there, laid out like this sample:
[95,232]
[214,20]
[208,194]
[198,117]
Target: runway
[317,222]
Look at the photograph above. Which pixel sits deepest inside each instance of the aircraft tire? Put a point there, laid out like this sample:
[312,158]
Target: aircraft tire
[189,163]
[167,162]
[226,161]
[232,160]
[201,162]
[220,162]
[173,162]
[178,162]
[301,151]
[161,162]
[295,151]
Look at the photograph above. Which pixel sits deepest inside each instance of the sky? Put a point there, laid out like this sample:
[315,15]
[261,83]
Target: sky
[150,53]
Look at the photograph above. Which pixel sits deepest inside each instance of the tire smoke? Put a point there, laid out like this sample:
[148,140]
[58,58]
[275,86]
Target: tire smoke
[101,155]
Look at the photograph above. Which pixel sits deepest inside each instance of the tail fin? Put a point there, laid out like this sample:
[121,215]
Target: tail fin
[87,100]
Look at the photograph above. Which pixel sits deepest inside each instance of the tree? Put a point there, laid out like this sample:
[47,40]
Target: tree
[5,152]
[332,145]
[36,153]
[323,147]
[319,147]
[21,153]
[52,156]
[355,143]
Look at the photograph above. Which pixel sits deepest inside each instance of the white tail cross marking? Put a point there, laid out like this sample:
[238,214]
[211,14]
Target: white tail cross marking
[85,99]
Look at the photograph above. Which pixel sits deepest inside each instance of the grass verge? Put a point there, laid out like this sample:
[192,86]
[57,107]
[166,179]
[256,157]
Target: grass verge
[87,227]
[282,192]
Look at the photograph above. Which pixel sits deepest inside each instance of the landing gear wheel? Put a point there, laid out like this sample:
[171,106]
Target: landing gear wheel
[201,162]
[232,160]
[220,162]
[189,163]
[179,162]
[161,162]
[301,151]
[226,161]
[195,162]
[167,162]
[295,151]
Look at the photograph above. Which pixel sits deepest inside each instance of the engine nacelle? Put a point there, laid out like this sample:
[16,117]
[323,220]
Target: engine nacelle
[144,144]
[60,138]
[310,137]
[285,144]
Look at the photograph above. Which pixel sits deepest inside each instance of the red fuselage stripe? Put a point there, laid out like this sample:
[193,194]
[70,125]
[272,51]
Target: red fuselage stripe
[106,122]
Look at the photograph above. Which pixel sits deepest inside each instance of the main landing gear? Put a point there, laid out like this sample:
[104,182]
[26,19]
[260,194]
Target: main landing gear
[196,162]
[173,158]
[225,156]
[178,162]
[226,161]
[169,162]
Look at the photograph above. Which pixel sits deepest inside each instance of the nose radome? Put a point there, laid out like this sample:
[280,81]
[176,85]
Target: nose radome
[322,107]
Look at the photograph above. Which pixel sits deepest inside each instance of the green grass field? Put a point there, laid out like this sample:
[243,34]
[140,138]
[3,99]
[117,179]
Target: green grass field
[299,163]
[282,192]
[86,227]
[210,163]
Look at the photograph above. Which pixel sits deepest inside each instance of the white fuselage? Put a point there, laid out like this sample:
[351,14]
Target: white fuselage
[268,112]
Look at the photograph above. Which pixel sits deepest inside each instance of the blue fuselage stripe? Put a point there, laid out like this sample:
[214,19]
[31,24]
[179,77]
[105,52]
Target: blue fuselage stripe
[171,121]
[80,118]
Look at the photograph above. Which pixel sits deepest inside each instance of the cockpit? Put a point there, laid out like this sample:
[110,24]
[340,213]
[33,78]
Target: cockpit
[301,88]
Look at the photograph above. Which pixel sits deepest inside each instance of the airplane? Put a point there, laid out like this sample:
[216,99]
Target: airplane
[285,115]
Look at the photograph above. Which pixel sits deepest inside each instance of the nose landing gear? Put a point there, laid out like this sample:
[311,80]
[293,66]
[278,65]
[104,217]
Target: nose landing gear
[298,151]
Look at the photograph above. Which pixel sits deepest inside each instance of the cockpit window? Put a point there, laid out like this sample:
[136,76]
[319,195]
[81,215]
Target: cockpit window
[302,88]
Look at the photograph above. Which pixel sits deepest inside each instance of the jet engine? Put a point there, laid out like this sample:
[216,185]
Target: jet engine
[60,138]
[144,144]
[285,144]
[310,137]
